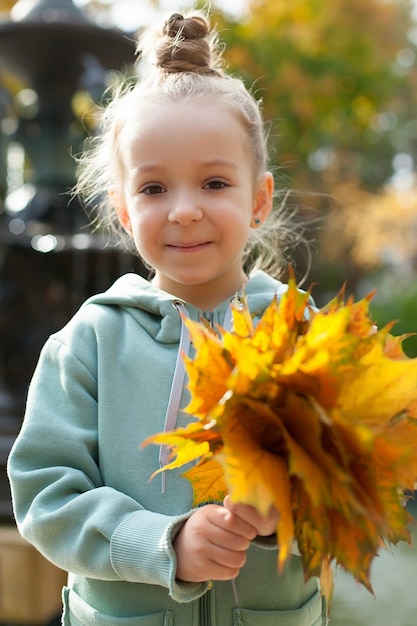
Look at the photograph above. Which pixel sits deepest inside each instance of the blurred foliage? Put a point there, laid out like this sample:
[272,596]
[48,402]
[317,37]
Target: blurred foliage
[398,304]
[339,80]
[374,229]
[6,5]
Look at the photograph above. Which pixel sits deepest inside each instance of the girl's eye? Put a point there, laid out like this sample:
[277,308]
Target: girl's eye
[152,190]
[215,184]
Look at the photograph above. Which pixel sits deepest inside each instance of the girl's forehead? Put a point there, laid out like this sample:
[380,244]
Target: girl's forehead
[142,111]
[142,120]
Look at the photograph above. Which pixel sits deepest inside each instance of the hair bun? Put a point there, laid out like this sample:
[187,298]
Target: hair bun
[186,45]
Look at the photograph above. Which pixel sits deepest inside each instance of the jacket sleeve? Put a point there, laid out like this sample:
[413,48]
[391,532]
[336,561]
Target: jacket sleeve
[61,503]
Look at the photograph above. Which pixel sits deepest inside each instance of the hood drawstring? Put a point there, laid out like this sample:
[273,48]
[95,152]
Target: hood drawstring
[178,380]
[176,387]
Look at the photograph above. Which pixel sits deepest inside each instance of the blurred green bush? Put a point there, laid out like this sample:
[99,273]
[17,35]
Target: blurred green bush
[399,305]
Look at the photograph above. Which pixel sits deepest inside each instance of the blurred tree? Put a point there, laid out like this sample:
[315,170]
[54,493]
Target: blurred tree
[383,235]
[339,81]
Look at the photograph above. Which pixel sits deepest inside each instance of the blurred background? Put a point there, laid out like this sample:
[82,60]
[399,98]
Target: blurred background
[338,81]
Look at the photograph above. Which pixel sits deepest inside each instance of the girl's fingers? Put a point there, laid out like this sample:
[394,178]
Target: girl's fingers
[264,524]
[232,527]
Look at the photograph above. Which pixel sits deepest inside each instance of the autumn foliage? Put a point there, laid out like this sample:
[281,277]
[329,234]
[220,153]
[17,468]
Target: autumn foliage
[313,412]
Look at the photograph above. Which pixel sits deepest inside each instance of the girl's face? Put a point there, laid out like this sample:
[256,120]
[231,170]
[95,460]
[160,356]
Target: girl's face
[189,196]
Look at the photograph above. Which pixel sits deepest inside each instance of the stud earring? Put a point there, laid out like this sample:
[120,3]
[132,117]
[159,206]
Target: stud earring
[257,221]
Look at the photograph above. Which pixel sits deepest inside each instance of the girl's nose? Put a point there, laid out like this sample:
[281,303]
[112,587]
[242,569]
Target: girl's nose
[185,209]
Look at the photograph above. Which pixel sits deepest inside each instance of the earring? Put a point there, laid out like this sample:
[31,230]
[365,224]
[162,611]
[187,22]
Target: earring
[257,221]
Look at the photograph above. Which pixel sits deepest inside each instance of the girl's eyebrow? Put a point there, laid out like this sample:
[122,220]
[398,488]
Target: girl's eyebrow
[219,161]
[147,167]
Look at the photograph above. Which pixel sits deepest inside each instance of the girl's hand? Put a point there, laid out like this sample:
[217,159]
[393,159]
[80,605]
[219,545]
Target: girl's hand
[212,544]
[265,525]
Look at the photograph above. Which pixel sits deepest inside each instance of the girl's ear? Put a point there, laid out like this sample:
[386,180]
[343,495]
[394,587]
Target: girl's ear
[120,209]
[263,200]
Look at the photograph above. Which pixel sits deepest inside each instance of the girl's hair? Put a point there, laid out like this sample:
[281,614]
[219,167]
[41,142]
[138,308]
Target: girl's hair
[181,62]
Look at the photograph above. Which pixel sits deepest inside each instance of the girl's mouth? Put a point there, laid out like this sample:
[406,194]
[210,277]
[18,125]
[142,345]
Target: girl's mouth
[189,247]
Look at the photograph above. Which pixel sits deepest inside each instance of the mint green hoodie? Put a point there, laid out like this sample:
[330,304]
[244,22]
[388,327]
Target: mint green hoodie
[80,482]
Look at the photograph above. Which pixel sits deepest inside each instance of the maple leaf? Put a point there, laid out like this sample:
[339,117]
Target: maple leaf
[313,412]
[208,482]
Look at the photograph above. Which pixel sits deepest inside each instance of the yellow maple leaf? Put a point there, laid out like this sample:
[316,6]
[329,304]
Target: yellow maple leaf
[208,482]
[313,412]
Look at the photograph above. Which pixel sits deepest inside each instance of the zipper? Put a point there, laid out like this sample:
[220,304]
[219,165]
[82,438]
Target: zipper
[204,602]
[204,610]
[208,316]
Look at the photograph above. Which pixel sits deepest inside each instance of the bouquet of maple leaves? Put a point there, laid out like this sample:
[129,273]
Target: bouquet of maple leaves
[313,412]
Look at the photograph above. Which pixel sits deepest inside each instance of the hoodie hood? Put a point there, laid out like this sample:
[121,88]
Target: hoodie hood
[156,310]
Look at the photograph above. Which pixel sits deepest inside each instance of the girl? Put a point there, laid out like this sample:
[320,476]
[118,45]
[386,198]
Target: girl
[182,163]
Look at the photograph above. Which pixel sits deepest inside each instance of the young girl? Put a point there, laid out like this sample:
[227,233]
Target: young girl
[180,166]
